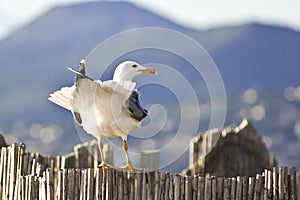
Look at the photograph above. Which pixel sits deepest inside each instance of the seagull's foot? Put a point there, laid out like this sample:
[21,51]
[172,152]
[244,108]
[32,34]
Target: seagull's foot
[105,165]
[130,167]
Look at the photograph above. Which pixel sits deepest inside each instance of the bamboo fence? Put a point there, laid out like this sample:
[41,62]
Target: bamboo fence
[31,176]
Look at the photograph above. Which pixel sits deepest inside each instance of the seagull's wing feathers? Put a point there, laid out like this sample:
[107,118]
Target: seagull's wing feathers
[99,103]
[122,89]
[135,108]
[83,105]
[63,97]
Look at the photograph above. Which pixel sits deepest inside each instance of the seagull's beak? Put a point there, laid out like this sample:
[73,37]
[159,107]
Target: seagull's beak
[149,70]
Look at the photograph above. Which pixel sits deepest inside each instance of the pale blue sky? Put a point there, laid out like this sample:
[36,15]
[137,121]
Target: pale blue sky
[199,14]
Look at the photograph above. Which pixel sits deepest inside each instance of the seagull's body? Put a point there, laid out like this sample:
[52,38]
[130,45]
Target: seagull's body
[105,109]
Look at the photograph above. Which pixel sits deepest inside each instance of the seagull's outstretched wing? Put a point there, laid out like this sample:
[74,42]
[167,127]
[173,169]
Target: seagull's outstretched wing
[83,105]
[96,102]
[63,97]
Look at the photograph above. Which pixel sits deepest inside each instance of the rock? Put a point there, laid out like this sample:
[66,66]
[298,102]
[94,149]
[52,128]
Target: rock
[2,141]
[238,151]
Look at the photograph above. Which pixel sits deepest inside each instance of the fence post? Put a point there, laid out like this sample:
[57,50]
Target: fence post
[258,186]
[293,188]
[298,184]
[233,188]
[227,188]
[150,159]
[251,187]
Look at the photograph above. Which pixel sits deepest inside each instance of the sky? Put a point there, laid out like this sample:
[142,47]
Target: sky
[197,14]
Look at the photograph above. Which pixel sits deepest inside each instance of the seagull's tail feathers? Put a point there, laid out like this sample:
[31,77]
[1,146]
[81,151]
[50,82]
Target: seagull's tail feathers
[63,97]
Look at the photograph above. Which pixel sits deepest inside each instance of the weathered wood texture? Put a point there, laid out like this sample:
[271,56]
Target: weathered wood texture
[24,176]
[238,151]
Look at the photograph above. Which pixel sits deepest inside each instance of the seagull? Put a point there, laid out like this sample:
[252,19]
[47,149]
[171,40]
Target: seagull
[105,109]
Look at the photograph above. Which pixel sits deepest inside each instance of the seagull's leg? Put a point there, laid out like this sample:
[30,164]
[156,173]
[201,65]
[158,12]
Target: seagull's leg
[129,166]
[103,163]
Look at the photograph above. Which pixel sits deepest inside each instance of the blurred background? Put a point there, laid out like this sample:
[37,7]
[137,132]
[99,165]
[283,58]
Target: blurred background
[255,45]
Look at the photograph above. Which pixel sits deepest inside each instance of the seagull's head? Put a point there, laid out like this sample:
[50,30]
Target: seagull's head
[128,70]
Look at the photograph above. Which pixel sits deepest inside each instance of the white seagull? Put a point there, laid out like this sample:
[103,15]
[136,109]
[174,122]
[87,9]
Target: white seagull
[105,109]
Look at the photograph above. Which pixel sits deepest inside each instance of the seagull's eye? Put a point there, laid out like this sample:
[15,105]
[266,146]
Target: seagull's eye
[134,66]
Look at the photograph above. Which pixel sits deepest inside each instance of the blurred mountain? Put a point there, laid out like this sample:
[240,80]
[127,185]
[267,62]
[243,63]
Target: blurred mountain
[34,58]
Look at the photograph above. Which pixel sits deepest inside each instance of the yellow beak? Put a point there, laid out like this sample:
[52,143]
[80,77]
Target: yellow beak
[149,70]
